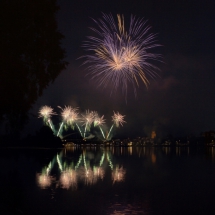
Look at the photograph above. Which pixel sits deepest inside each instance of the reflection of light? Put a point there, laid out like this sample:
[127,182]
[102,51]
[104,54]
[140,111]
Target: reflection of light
[153,157]
[109,160]
[118,174]
[144,150]
[59,163]
[102,159]
[78,163]
[211,152]
[182,150]
[138,150]
[122,209]
[178,150]
[166,149]
[48,169]
[98,172]
[81,170]
[68,179]
[70,148]
[43,180]
[130,150]
[86,175]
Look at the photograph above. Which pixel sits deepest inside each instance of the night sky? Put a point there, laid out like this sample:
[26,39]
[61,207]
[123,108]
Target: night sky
[179,102]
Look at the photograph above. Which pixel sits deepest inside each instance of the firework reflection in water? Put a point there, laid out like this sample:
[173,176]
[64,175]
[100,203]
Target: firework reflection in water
[98,173]
[82,172]
[68,179]
[44,181]
[118,174]
[86,175]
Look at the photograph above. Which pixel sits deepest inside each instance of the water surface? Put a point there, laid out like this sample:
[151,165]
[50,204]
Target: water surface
[127,180]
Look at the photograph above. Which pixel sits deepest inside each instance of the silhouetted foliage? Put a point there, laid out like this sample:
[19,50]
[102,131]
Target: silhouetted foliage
[46,138]
[30,56]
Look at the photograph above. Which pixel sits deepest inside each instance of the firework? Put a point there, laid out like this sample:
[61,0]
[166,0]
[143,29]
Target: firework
[65,115]
[118,120]
[69,117]
[46,112]
[119,56]
[73,118]
[99,121]
[88,119]
[66,112]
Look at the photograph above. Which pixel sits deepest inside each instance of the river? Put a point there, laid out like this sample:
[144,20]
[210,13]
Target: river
[111,180]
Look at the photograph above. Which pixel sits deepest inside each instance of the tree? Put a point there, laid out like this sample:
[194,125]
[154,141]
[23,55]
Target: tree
[30,56]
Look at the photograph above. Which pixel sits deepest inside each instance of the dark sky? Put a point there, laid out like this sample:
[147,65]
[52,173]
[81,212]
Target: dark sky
[180,102]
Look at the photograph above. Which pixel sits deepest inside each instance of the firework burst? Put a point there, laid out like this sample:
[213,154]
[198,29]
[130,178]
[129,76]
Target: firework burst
[73,118]
[46,112]
[88,119]
[98,121]
[69,116]
[119,56]
[118,119]
[65,113]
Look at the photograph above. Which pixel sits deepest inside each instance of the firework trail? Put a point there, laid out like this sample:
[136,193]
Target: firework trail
[119,56]
[118,120]
[69,117]
[65,113]
[99,121]
[72,121]
[46,112]
[79,129]
[88,119]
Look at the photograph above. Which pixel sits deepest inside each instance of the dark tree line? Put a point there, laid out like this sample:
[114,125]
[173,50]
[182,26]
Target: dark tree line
[30,57]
